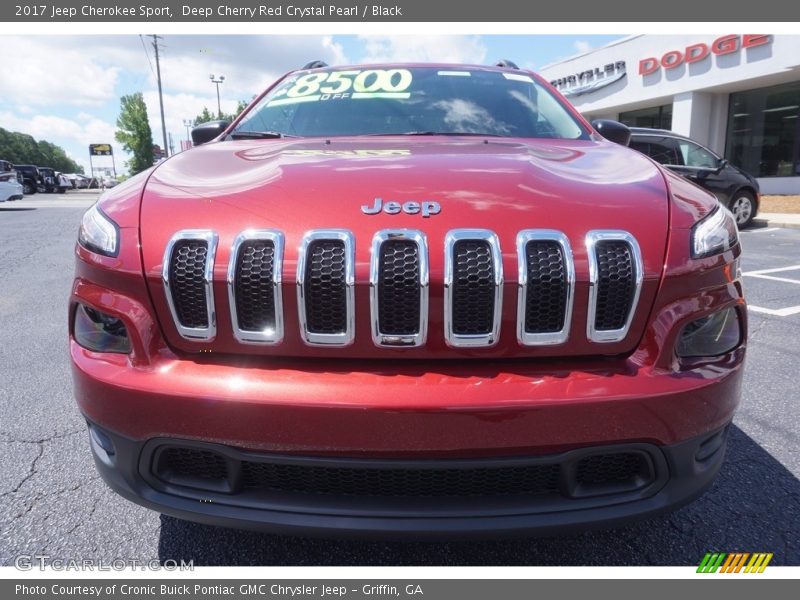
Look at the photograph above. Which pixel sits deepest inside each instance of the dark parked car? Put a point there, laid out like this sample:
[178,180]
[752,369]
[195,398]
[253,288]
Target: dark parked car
[31,180]
[735,189]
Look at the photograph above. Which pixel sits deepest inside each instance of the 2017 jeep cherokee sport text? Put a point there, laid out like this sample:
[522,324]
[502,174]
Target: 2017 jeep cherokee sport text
[408,300]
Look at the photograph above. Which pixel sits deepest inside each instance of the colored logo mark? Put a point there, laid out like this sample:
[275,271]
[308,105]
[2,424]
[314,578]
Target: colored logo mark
[734,562]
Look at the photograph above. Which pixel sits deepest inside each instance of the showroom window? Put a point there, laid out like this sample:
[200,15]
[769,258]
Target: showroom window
[763,131]
[657,117]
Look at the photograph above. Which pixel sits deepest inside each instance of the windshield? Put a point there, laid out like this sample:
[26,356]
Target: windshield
[410,101]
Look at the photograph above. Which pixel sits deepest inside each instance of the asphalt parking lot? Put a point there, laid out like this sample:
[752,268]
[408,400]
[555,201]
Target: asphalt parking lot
[52,502]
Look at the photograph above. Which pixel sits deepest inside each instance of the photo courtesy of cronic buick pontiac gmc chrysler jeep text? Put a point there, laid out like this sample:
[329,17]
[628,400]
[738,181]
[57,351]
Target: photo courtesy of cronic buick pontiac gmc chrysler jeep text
[408,300]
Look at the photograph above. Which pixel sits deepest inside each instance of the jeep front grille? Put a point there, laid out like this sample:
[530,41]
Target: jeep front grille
[615,281]
[325,295]
[399,286]
[546,281]
[187,272]
[473,287]
[254,286]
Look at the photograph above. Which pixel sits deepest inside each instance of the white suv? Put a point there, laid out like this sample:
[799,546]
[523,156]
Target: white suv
[10,186]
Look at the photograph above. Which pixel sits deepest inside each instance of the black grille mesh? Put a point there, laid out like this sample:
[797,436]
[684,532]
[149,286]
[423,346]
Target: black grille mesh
[546,294]
[325,287]
[191,462]
[187,284]
[615,285]
[611,468]
[179,464]
[418,483]
[255,301]
[398,288]
[473,287]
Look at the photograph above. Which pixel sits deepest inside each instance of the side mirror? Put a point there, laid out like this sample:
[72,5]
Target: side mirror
[205,132]
[613,131]
[723,162]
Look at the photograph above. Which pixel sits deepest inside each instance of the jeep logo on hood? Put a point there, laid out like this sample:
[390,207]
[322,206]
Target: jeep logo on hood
[425,208]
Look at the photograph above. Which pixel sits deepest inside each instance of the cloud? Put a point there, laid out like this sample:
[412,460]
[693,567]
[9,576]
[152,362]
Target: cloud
[43,74]
[432,48]
[582,46]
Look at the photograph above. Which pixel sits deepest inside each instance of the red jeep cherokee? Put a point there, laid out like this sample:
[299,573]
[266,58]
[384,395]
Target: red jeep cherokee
[408,299]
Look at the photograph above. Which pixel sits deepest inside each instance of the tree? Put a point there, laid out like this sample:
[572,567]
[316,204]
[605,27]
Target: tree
[22,149]
[134,132]
[207,115]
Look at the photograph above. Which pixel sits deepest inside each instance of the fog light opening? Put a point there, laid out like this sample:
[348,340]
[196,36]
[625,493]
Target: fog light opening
[713,335]
[100,332]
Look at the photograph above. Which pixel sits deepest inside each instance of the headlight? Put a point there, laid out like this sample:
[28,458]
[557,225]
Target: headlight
[98,233]
[714,234]
[713,335]
[99,332]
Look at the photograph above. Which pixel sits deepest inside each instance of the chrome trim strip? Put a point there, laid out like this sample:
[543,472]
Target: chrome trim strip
[210,237]
[274,336]
[416,236]
[547,338]
[472,340]
[592,238]
[328,339]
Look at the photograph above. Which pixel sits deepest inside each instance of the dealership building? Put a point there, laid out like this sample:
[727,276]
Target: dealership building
[739,95]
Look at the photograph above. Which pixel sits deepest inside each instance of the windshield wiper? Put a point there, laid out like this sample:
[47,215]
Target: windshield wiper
[448,133]
[259,135]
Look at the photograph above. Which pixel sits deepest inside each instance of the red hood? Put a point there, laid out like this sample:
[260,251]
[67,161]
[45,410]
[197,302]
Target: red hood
[502,185]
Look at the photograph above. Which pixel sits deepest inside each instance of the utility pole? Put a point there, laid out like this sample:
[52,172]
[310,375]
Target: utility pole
[160,96]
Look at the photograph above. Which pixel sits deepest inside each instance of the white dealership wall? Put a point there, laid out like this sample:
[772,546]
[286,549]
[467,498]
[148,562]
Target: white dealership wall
[699,92]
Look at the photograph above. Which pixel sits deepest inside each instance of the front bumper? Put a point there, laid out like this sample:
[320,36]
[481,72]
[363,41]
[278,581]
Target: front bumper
[680,473]
[348,415]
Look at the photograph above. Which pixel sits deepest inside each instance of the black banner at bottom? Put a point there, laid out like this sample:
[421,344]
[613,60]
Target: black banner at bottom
[421,589]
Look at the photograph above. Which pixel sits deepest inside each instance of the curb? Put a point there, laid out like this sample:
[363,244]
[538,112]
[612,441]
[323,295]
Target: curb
[786,220]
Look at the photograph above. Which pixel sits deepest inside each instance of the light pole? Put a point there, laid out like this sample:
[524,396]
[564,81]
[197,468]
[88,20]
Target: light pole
[217,82]
[187,123]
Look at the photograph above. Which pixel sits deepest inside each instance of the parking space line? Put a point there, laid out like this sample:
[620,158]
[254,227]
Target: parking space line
[760,230]
[771,278]
[777,270]
[775,312]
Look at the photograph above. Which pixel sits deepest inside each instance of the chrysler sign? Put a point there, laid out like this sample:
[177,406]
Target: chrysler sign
[590,80]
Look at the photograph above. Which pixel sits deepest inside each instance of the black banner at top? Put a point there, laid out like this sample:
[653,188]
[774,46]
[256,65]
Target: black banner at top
[263,11]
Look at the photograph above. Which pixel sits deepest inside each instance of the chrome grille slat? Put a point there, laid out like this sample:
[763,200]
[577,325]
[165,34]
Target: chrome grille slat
[187,275]
[254,286]
[473,288]
[615,283]
[325,287]
[546,287]
[399,288]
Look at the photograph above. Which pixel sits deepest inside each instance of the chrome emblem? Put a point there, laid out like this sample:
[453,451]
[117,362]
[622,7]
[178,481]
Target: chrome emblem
[425,208]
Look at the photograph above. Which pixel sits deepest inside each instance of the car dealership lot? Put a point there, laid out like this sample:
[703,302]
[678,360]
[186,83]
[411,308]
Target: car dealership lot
[52,501]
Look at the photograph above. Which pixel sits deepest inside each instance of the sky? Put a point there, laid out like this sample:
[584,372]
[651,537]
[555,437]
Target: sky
[67,89]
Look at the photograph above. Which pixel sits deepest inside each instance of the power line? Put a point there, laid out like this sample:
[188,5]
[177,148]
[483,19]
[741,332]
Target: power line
[147,54]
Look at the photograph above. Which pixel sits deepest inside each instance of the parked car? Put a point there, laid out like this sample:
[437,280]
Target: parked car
[30,178]
[78,181]
[407,300]
[734,188]
[51,181]
[10,186]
